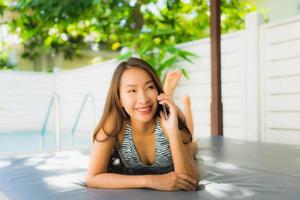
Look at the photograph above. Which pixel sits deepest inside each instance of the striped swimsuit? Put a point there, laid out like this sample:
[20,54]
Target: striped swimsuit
[129,156]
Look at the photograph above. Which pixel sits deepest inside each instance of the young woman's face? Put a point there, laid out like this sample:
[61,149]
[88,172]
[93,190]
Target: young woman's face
[138,94]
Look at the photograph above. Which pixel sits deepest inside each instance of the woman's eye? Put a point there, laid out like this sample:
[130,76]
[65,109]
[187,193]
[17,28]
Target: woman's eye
[151,87]
[131,91]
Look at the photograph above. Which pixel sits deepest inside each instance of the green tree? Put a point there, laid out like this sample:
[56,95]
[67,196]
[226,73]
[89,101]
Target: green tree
[177,22]
[147,28]
[5,63]
[2,7]
[50,27]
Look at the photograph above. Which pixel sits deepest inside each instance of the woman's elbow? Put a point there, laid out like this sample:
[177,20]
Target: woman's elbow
[96,181]
[93,181]
[89,182]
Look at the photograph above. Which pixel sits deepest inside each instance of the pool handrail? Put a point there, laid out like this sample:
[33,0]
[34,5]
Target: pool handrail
[92,124]
[55,100]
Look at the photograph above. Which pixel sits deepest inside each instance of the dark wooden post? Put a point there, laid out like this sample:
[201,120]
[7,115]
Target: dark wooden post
[216,95]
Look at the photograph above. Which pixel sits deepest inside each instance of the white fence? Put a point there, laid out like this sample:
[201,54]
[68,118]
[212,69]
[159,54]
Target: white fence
[280,85]
[24,98]
[260,87]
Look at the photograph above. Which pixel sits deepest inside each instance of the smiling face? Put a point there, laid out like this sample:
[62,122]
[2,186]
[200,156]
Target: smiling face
[138,94]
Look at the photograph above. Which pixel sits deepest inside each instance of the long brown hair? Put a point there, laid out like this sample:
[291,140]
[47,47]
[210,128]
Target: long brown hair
[113,104]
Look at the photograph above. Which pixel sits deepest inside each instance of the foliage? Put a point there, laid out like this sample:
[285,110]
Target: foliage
[178,22]
[5,63]
[2,7]
[233,14]
[147,28]
[51,26]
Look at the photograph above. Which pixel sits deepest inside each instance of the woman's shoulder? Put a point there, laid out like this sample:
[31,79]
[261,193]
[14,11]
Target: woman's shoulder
[110,122]
[108,127]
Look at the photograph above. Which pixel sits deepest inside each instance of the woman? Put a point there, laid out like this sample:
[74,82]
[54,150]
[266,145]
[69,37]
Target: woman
[155,151]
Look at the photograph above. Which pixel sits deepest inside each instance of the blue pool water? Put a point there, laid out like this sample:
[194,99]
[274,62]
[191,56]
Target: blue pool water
[29,142]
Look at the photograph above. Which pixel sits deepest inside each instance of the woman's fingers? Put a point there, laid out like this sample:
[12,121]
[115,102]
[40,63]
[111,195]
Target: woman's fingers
[162,96]
[173,181]
[165,99]
[183,186]
[186,177]
[186,184]
[170,104]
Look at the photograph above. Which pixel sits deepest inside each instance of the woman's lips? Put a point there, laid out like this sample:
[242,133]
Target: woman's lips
[144,110]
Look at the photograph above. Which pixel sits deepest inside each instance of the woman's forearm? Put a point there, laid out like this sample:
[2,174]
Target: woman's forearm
[183,162]
[168,182]
[112,180]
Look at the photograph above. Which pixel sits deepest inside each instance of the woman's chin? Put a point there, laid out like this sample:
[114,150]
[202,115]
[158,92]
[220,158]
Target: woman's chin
[145,118]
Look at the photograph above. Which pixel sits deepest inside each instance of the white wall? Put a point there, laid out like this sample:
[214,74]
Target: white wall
[198,87]
[24,97]
[74,85]
[280,89]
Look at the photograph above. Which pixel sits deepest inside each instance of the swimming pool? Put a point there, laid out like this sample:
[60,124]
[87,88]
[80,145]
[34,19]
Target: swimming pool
[29,142]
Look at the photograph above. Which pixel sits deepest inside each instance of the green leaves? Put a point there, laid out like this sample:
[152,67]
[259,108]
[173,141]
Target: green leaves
[5,64]
[2,7]
[150,29]
[162,57]
[234,13]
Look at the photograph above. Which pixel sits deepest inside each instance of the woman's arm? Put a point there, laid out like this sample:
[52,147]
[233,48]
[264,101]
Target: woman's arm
[167,182]
[112,180]
[182,153]
[97,176]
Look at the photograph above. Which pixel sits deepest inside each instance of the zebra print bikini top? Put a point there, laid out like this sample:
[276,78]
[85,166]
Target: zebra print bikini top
[129,156]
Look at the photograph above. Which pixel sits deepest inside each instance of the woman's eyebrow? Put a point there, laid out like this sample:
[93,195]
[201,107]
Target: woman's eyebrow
[148,82]
[130,85]
[135,85]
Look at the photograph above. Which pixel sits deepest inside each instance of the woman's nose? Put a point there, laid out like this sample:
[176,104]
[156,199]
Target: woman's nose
[143,97]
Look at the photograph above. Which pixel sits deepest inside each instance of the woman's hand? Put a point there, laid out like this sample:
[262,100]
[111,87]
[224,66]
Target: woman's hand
[172,181]
[171,123]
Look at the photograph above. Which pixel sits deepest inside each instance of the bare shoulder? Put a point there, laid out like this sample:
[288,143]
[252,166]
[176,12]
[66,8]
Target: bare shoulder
[101,149]
[107,128]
